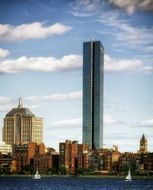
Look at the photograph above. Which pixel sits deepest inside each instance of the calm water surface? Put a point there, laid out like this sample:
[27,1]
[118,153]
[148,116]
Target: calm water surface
[72,183]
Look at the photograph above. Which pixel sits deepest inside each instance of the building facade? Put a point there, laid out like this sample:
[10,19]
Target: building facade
[7,164]
[143,144]
[22,126]
[68,151]
[42,162]
[73,156]
[93,74]
[24,154]
[82,156]
[5,148]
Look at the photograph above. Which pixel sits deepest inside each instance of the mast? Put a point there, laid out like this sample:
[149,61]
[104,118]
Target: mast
[20,103]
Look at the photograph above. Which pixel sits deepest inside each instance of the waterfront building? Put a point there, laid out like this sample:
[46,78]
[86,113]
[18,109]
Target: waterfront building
[148,162]
[42,162]
[143,144]
[93,74]
[68,151]
[7,164]
[82,156]
[5,148]
[24,154]
[73,156]
[22,126]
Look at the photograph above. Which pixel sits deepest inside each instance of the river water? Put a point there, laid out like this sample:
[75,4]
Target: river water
[74,183]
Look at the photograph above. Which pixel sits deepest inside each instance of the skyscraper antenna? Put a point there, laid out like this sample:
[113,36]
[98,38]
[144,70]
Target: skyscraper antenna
[20,103]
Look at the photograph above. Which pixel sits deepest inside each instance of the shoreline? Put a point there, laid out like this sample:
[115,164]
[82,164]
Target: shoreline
[71,176]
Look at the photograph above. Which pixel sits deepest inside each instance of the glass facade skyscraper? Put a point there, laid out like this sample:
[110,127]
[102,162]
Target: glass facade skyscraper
[93,74]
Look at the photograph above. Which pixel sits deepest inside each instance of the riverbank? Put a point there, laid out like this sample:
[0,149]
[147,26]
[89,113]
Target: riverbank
[80,176]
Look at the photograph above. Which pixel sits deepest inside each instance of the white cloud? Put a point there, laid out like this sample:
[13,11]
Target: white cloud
[108,120]
[131,5]
[4,52]
[44,64]
[115,65]
[125,32]
[4,100]
[68,122]
[5,104]
[147,123]
[69,63]
[84,8]
[35,30]
[57,97]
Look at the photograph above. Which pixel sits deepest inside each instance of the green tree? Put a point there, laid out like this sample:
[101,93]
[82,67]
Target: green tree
[28,169]
[1,170]
[52,171]
[62,170]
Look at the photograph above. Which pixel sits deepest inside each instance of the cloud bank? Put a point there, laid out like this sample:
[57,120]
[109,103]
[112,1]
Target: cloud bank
[35,30]
[115,65]
[77,122]
[33,102]
[69,63]
[125,32]
[147,123]
[44,64]
[133,5]
[4,53]
[57,97]
[84,8]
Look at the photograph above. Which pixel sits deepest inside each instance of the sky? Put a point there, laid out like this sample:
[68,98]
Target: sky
[41,44]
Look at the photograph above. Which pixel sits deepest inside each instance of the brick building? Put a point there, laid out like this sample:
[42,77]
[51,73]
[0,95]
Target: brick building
[73,155]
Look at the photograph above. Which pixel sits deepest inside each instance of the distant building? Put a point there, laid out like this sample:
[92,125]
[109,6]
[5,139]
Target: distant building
[93,74]
[42,162]
[73,156]
[82,156]
[5,148]
[148,161]
[143,145]
[24,154]
[68,151]
[22,126]
[104,160]
[7,164]
[55,157]
[128,159]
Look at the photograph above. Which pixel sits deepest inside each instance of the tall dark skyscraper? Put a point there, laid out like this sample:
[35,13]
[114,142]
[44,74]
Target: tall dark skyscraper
[93,74]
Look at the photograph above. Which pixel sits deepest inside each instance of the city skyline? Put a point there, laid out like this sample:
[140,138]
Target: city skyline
[93,82]
[41,61]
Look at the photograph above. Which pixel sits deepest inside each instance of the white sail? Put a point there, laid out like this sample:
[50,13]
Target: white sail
[37,175]
[128,177]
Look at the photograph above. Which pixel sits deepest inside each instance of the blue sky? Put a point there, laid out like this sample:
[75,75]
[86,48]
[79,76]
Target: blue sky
[41,61]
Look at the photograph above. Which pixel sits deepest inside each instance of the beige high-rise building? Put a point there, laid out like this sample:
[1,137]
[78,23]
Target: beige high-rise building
[22,126]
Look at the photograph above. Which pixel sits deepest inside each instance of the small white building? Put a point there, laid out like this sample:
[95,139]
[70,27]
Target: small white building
[5,148]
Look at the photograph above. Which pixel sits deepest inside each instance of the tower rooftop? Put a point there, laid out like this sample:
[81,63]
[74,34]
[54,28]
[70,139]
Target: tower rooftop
[20,110]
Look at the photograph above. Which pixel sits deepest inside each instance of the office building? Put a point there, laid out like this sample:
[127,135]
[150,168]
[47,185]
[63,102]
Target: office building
[93,74]
[22,126]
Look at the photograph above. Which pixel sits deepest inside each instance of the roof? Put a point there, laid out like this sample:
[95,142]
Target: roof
[22,111]
[143,137]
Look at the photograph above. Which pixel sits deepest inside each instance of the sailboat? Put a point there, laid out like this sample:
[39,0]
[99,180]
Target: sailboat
[37,175]
[128,177]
